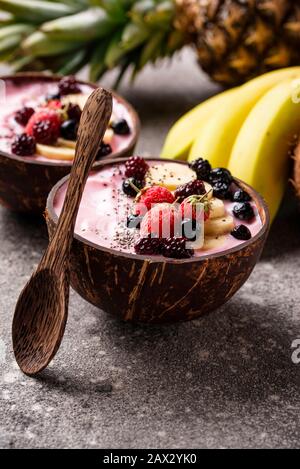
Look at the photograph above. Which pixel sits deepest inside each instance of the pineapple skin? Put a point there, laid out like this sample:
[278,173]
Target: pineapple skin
[238,39]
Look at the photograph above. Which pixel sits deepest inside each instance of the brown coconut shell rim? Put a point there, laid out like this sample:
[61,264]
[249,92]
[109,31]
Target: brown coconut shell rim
[54,77]
[261,205]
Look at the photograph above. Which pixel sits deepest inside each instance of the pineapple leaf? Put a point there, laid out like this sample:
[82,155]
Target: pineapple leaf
[39,44]
[74,62]
[97,63]
[36,11]
[133,35]
[83,26]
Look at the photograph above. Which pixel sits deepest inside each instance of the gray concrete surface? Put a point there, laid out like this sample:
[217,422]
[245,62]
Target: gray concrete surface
[226,380]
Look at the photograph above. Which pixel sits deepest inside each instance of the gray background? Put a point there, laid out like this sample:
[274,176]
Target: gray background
[226,380]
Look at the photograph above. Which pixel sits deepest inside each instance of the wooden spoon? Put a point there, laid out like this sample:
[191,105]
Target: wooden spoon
[42,309]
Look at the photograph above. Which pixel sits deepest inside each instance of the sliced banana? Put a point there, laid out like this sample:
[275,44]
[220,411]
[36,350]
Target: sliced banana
[79,99]
[219,226]
[217,208]
[214,242]
[66,143]
[173,175]
[55,152]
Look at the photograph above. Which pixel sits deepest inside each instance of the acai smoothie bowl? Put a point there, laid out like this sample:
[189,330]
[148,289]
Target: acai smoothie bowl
[158,241]
[39,119]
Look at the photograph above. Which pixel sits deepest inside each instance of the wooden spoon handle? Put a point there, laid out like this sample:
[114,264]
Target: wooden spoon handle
[93,124]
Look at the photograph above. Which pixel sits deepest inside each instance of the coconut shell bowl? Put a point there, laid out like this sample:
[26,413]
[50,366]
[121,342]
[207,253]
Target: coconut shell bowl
[147,289]
[25,182]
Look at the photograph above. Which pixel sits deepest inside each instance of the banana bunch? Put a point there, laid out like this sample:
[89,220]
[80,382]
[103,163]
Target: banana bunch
[249,130]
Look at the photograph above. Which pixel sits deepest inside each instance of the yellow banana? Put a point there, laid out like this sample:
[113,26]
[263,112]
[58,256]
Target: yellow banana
[260,155]
[217,136]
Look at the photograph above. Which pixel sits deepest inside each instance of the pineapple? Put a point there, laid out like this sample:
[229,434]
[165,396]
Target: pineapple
[234,39]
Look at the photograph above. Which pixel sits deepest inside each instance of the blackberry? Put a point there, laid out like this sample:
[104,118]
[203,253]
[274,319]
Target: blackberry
[129,185]
[68,85]
[74,112]
[241,232]
[23,115]
[202,168]
[68,129]
[134,221]
[176,248]
[189,229]
[105,149]
[196,187]
[23,145]
[220,175]
[136,167]
[148,246]
[221,190]
[44,132]
[241,196]
[243,211]
[121,127]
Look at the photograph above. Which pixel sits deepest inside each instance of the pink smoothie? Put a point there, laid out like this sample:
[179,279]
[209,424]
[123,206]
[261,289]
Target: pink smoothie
[104,209]
[32,94]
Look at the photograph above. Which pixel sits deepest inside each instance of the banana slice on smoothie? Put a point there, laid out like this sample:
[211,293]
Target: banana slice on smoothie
[214,242]
[79,99]
[55,152]
[219,226]
[172,175]
[217,208]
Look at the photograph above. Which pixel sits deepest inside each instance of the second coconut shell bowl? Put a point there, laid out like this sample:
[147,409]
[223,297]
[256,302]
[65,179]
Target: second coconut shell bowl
[26,183]
[159,290]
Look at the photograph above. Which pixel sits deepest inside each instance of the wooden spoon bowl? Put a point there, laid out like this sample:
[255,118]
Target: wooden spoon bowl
[26,183]
[159,290]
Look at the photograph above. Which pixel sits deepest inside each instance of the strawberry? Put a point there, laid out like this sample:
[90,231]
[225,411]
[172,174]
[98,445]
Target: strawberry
[151,196]
[161,220]
[192,208]
[54,104]
[52,120]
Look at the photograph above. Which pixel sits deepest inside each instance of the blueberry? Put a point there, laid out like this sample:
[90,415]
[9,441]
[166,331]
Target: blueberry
[222,190]
[241,196]
[129,185]
[134,221]
[243,211]
[105,149]
[190,229]
[53,96]
[220,175]
[120,127]
[68,129]
[241,232]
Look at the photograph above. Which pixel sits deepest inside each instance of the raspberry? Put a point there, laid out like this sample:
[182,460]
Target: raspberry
[153,195]
[23,115]
[162,220]
[44,132]
[74,112]
[196,187]
[148,246]
[176,248]
[48,133]
[23,145]
[243,211]
[220,175]
[241,232]
[68,85]
[193,207]
[202,168]
[136,167]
